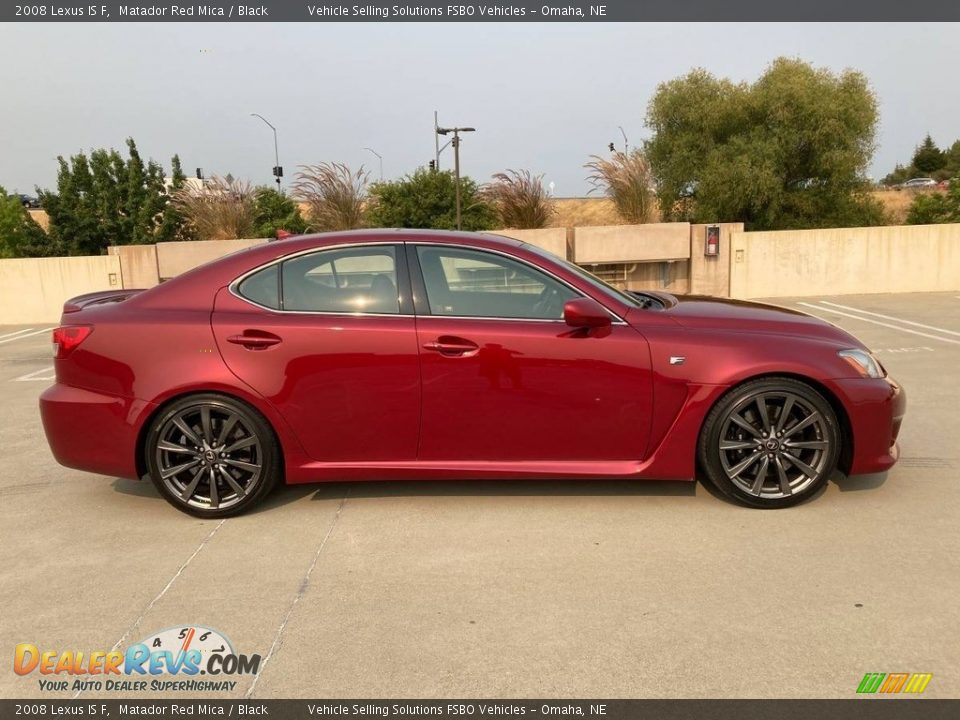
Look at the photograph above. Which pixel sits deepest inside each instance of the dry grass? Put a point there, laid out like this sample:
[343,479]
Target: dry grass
[334,196]
[222,209]
[519,199]
[40,217]
[897,202]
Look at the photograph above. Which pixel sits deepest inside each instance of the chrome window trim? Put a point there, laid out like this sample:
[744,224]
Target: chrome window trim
[232,287]
[579,293]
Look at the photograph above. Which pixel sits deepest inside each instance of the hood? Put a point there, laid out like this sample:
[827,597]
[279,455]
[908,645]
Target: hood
[711,313]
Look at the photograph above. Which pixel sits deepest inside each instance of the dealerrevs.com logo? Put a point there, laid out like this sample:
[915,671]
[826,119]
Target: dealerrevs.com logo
[185,653]
[893,683]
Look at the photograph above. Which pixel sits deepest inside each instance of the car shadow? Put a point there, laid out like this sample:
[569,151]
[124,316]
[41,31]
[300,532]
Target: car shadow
[544,487]
[858,483]
[281,496]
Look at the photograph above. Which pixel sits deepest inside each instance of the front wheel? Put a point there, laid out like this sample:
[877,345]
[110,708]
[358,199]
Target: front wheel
[770,443]
[211,456]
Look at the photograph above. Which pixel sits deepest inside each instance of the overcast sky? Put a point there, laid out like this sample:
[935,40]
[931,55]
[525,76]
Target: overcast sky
[542,96]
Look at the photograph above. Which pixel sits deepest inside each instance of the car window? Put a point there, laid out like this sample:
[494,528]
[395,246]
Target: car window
[263,287]
[346,280]
[473,283]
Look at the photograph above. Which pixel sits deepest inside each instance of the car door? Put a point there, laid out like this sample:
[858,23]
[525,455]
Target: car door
[328,337]
[506,379]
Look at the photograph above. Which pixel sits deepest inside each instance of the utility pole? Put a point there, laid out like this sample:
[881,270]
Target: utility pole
[456,161]
[277,170]
[436,140]
[380,157]
[626,146]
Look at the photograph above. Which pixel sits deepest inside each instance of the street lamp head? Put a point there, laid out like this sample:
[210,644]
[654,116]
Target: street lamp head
[468,129]
[442,131]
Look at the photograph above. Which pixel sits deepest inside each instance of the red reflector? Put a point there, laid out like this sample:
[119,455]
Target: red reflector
[66,338]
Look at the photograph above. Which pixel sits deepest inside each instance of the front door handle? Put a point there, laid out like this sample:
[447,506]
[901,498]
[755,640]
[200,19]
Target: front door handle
[254,339]
[451,346]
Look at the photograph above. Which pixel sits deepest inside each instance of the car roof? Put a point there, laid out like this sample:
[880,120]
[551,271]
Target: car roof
[223,270]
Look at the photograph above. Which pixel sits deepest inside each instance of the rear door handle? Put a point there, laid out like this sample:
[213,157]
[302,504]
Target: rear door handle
[254,339]
[452,346]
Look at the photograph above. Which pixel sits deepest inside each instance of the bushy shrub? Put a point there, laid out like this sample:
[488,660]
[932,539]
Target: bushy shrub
[626,179]
[427,199]
[335,195]
[519,199]
[220,209]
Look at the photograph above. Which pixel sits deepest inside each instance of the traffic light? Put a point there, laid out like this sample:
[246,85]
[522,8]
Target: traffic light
[199,173]
[433,165]
[611,147]
[278,171]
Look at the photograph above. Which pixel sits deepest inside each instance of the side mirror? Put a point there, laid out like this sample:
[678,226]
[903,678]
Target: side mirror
[585,313]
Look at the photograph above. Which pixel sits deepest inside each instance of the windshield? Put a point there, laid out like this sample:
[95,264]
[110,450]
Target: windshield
[590,278]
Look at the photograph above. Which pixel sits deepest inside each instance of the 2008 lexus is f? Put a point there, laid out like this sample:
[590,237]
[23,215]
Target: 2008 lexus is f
[396,354]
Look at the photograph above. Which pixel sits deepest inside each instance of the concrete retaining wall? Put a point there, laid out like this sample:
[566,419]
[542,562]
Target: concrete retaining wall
[138,265]
[710,275]
[174,258]
[552,240]
[652,242]
[894,259]
[33,290]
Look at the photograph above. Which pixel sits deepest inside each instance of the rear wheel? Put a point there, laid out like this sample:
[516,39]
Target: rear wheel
[211,456]
[770,443]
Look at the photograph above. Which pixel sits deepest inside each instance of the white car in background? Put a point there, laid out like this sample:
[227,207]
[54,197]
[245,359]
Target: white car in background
[917,183]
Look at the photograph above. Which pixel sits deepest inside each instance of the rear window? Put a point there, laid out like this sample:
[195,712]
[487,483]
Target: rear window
[263,287]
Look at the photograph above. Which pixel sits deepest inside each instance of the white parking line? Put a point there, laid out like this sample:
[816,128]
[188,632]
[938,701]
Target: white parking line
[41,374]
[891,317]
[877,322]
[18,332]
[21,337]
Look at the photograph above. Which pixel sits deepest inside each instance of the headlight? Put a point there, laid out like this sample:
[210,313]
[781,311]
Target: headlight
[864,363]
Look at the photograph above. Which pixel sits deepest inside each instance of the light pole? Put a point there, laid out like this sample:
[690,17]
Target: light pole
[379,157]
[456,159]
[277,170]
[626,147]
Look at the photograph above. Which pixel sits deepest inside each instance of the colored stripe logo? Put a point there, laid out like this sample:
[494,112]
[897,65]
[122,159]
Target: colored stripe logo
[889,683]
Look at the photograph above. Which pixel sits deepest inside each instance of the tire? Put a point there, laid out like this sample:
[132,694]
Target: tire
[773,462]
[206,436]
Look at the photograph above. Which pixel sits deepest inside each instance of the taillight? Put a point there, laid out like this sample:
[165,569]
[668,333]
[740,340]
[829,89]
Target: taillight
[66,339]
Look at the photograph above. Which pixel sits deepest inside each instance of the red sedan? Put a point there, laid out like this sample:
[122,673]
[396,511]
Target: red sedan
[396,354]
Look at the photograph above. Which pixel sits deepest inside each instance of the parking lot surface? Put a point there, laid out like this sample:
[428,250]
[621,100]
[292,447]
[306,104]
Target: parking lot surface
[512,589]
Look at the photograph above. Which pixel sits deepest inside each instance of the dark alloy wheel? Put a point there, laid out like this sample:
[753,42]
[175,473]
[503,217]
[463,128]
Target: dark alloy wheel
[211,456]
[770,443]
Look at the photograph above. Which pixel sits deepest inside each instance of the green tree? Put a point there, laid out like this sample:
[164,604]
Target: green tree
[20,236]
[104,200]
[427,199]
[937,207]
[276,211]
[928,158]
[787,151]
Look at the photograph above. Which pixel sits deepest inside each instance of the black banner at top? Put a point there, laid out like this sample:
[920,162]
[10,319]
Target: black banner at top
[322,11]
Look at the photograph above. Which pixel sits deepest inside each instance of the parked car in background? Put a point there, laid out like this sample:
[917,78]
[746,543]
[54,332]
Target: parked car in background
[28,201]
[917,183]
[415,354]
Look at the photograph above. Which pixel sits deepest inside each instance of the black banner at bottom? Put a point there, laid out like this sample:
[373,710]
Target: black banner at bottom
[854,709]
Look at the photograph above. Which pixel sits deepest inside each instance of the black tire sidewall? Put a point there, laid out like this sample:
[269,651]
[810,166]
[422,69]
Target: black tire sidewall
[709,453]
[250,416]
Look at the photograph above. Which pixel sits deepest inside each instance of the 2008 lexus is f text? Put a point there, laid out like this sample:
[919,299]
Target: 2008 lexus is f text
[406,354]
